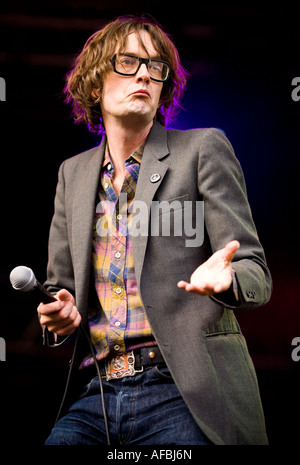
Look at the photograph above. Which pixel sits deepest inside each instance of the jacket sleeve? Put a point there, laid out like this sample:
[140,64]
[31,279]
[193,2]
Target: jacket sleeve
[228,217]
[60,273]
[60,267]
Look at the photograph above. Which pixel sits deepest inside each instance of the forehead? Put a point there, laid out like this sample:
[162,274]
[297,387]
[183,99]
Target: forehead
[142,45]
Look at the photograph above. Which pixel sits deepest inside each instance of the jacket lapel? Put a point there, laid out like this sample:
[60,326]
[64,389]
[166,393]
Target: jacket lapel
[152,172]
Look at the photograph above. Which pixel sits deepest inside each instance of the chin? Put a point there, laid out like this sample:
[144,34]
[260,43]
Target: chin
[139,115]
[140,106]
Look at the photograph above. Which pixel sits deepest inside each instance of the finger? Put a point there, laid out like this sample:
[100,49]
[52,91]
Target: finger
[66,328]
[60,316]
[70,328]
[217,288]
[64,321]
[196,289]
[62,297]
[186,286]
[47,309]
[182,284]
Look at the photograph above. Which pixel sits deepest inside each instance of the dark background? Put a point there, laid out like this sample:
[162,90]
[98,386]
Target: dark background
[242,59]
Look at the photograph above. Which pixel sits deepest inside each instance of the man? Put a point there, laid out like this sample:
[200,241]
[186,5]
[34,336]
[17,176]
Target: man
[167,352]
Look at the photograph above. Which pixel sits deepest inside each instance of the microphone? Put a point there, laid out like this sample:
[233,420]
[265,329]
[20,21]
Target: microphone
[23,279]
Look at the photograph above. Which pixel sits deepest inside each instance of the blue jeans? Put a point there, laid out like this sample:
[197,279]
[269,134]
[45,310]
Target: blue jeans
[144,409]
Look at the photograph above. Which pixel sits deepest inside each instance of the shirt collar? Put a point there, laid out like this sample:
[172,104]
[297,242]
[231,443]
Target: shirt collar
[136,155]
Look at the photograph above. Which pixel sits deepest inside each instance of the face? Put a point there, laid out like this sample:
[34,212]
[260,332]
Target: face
[132,98]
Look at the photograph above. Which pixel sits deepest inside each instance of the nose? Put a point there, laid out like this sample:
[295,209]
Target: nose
[143,73]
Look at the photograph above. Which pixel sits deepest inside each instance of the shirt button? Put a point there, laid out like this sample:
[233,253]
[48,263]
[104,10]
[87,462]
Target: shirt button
[118,290]
[118,255]
[116,347]
[109,166]
[106,185]
[119,217]
[117,323]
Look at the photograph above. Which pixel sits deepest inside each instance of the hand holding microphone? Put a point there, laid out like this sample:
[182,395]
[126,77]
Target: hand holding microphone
[59,313]
[61,316]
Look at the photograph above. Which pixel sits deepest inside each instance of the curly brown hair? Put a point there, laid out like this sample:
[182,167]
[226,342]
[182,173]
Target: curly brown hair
[85,81]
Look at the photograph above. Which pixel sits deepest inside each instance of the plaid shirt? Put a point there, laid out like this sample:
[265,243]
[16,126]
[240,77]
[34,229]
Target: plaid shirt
[121,323]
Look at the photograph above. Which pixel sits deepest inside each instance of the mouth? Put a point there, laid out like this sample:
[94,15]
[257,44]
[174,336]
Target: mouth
[141,92]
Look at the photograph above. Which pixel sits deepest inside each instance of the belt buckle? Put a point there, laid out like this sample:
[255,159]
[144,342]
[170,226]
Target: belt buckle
[120,366]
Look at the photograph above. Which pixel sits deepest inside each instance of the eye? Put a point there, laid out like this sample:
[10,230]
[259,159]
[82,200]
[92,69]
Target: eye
[155,66]
[127,61]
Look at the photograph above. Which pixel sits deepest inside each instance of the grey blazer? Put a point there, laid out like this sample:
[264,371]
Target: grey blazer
[199,337]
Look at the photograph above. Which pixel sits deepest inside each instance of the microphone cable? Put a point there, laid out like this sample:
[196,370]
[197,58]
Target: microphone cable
[100,382]
[81,328]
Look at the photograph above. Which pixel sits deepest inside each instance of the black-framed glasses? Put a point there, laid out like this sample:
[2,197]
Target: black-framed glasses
[128,65]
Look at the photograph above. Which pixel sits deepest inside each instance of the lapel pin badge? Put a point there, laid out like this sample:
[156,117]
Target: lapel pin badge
[155,177]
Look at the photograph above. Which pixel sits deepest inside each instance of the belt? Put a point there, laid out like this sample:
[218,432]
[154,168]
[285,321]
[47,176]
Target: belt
[126,364]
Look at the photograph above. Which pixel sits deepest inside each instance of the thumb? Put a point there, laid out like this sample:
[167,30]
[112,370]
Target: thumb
[230,250]
[65,296]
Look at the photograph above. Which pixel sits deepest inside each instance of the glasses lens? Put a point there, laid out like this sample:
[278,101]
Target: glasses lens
[127,64]
[158,70]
